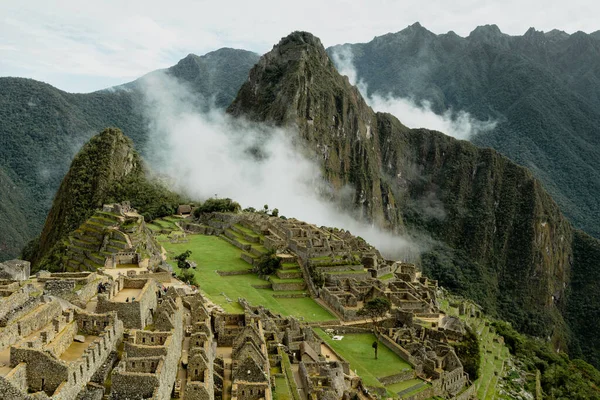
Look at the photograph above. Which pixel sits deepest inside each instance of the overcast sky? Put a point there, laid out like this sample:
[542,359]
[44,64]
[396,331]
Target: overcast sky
[82,46]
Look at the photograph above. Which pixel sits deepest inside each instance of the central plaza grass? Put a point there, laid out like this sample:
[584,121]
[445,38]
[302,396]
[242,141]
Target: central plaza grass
[356,349]
[212,254]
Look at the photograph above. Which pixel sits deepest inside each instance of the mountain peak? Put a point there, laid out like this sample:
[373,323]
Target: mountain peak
[486,32]
[299,60]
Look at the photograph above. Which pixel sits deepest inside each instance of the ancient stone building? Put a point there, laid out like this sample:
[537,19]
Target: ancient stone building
[134,300]
[58,359]
[150,359]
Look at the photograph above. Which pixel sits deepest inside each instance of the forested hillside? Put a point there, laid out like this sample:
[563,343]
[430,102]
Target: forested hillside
[42,128]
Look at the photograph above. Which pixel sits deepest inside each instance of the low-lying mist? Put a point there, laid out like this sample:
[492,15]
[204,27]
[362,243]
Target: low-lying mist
[209,154]
[460,125]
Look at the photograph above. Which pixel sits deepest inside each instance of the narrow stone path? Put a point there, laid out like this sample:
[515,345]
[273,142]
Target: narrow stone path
[301,388]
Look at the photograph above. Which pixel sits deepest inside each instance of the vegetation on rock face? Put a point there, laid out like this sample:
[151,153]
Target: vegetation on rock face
[583,298]
[107,169]
[469,353]
[42,127]
[561,378]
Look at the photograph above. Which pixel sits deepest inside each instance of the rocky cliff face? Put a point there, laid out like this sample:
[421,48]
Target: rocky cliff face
[494,223]
[542,89]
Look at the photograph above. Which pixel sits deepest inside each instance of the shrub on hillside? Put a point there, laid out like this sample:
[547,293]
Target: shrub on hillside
[268,263]
[217,205]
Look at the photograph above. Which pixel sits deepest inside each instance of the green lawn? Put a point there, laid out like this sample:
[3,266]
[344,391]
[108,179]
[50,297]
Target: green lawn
[212,254]
[282,390]
[356,349]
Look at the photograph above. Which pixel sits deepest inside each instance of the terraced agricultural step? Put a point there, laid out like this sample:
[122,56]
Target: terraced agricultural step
[94,226]
[248,258]
[289,266]
[86,245]
[118,244]
[257,251]
[289,273]
[113,249]
[79,257]
[95,257]
[88,235]
[101,221]
[250,237]
[411,389]
[235,242]
[339,268]
[92,265]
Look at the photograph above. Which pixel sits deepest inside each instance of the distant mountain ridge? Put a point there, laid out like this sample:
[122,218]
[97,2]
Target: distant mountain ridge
[542,88]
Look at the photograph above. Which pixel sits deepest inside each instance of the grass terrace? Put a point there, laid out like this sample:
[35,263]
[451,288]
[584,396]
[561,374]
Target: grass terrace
[356,349]
[213,254]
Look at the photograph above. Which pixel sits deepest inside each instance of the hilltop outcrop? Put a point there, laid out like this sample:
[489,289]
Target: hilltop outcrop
[107,169]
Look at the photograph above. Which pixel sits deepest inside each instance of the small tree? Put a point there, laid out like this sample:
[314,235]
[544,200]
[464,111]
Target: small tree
[187,276]
[375,309]
[182,259]
[268,263]
[375,346]
[275,212]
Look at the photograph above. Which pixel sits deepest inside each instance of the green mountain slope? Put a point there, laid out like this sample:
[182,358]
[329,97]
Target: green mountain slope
[542,88]
[106,170]
[14,223]
[501,239]
[41,129]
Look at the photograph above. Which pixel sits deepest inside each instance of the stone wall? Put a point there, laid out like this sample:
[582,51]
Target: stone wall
[43,371]
[60,379]
[30,323]
[15,300]
[9,391]
[399,377]
[398,350]
[62,340]
[469,393]
[59,288]
[15,269]
[132,385]
[288,286]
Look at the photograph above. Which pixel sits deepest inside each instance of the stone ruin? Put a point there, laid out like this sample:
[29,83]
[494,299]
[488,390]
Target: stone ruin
[63,335]
[17,270]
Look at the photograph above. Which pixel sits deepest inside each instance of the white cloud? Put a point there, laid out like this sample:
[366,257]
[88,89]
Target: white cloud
[213,154]
[460,124]
[116,41]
